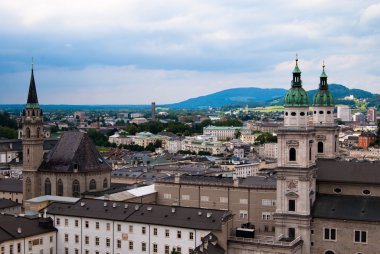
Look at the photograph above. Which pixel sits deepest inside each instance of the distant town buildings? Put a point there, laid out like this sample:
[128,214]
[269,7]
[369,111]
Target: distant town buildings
[371,114]
[344,113]
[366,139]
[226,132]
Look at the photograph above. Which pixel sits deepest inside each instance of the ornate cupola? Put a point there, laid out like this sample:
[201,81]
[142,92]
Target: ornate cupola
[323,103]
[296,102]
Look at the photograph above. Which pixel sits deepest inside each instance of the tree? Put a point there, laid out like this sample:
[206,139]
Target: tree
[6,121]
[237,134]
[98,138]
[174,251]
[266,137]
[6,132]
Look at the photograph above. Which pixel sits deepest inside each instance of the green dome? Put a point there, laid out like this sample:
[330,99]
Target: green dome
[323,99]
[296,97]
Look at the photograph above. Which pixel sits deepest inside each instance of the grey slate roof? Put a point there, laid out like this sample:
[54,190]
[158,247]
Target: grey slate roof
[185,217]
[8,145]
[10,185]
[209,245]
[6,203]
[29,227]
[74,148]
[348,172]
[345,207]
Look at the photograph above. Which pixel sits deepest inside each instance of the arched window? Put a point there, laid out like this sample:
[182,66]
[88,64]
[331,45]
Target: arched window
[59,188]
[38,132]
[105,183]
[320,147]
[310,153]
[47,186]
[92,185]
[292,154]
[27,130]
[76,189]
[28,185]
[329,252]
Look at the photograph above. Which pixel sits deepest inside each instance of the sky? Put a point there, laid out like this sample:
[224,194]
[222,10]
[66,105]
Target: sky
[138,51]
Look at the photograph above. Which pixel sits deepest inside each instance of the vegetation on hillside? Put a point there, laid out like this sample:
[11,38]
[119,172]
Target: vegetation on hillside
[8,126]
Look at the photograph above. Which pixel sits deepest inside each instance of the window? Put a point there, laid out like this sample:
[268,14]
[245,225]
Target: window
[86,224]
[66,250]
[302,114]
[97,241]
[118,227]
[130,228]
[143,246]
[28,132]
[76,223]
[87,240]
[76,238]
[243,201]
[337,190]
[366,192]
[118,243]
[155,249]
[329,234]
[293,113]
[76,189]
[204,198]
[59,188]
[47,186]
[179,249]
[179,234]
[154,231]
[97,225]
[108,225]
[130,245]
[167,233]
[191,250]
[321,112]
[310,151]
[360,236]
[286,113]
[51,239]
[92,184]
[223,200]
[266,216]
[66,238]
[185,197]
[143,230]
[329,252]
[292,154]
[191,236]
[19,247]
[105,183]
[108,242]
[320,147]
[167,249]
[268,202]
[292,205]
[243,214]
[66,222]
[291,233]
[167,196]
[58,221]
[76,251]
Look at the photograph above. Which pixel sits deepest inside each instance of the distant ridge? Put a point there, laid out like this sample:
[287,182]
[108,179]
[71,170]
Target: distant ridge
[254,96]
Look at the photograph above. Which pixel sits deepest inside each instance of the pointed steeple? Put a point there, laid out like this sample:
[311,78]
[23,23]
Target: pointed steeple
[323,98]
[32,95]
[296,96]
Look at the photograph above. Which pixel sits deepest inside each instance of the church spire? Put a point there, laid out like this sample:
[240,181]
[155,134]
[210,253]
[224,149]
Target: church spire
[323,79]
[296,75]
[32,95]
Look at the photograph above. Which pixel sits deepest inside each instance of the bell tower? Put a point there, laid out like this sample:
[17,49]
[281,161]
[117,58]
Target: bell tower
[296,170]
[324,120]
[32,142]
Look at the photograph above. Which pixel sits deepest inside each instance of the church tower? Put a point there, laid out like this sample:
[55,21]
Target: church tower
[296,170]
[32,142]
[324,120]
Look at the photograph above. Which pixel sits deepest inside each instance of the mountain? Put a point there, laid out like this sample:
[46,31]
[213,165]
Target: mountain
[234,96]
[262,97]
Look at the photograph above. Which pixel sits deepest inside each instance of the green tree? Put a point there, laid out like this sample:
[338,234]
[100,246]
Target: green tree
[174,251]
[6,132]
[237,134]
[266,137]
[6,121]
[98,138]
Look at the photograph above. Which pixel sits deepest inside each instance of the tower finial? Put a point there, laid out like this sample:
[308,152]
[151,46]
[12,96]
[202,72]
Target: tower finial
[323,65]
[32,62]
[296,59]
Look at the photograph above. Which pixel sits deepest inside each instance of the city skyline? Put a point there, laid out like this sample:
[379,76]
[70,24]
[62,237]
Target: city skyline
[134,53]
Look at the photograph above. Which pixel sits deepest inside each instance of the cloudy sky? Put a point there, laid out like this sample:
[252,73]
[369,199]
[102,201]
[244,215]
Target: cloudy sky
[138,51]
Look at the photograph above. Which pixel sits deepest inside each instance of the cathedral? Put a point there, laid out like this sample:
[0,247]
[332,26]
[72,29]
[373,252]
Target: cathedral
[72,167]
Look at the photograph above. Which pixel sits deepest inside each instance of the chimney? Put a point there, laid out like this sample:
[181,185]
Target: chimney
[236,180]
[177,178]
